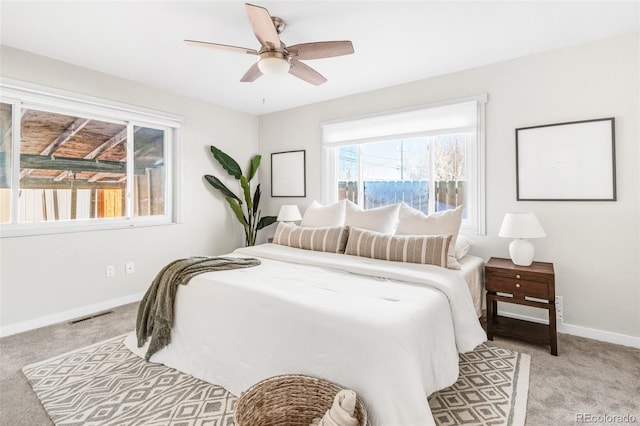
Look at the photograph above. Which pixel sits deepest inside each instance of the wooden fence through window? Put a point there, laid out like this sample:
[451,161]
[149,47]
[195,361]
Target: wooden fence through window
[51,201]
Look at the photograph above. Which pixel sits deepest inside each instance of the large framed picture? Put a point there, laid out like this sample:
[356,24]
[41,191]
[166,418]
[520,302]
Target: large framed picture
[572,161]
[288,174]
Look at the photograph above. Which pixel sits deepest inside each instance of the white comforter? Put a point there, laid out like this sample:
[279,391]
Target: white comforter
[390,331]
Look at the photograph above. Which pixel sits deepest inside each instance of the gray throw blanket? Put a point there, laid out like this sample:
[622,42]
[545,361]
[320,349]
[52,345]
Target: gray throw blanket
[155,313]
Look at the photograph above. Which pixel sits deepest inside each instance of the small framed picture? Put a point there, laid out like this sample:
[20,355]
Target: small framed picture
[288,174]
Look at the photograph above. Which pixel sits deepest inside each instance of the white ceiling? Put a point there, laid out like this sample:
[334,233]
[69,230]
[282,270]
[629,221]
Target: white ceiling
[394,41]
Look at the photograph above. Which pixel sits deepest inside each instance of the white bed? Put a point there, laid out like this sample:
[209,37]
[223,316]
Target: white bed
[391,331]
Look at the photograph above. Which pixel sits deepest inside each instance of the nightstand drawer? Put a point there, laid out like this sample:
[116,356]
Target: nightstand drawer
[518,287]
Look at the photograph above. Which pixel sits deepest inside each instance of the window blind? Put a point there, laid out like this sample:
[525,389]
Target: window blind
[461,115]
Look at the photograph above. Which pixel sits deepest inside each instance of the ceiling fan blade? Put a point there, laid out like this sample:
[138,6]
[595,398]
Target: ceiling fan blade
[221,46]
[321,49]
[263,27]
[252,74]
[306,73]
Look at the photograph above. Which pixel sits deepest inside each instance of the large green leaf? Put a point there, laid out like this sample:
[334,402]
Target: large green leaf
[235,206]
[247,192]
[256,199]
[227,163]
[266,221]
[217,184]
[253,167]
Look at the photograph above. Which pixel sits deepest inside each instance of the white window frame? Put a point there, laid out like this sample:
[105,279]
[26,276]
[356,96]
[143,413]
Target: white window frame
[31,96]
[475,223]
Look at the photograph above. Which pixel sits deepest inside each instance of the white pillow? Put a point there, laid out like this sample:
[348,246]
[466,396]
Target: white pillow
[414,222]
[462,247]
[318,215]
[381,219]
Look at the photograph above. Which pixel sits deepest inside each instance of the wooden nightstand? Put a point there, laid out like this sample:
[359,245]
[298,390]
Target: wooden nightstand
[522,285]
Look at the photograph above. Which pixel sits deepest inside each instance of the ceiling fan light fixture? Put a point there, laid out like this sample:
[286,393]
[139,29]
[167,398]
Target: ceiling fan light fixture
[273,63]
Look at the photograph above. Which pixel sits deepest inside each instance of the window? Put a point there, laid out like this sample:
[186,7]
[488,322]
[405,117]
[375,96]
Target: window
[400,171]
[430,158]
[71,164]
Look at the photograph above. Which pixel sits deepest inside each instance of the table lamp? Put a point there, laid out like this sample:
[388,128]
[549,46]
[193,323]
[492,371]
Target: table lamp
[521,226]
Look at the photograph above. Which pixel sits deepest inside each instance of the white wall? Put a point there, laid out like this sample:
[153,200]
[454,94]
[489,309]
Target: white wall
[49,277]
[594,245]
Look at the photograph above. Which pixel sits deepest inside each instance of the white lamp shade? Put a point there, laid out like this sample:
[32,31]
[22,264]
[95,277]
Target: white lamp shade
[272,65]
[289,213]
[521,225]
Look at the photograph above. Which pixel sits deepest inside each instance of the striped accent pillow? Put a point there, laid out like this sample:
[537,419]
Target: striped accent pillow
[331,239]
[428,249]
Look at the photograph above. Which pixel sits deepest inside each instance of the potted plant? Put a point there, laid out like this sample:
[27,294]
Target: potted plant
[246,211]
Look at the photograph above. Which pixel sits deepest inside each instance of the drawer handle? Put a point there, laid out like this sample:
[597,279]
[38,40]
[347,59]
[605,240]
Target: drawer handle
[518,276]
[517,285]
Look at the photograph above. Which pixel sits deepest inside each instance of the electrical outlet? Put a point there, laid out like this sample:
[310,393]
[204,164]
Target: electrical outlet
[559,307]
[130,267]
[110,271]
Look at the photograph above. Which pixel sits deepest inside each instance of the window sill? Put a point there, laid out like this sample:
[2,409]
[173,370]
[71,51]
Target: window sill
[47,228]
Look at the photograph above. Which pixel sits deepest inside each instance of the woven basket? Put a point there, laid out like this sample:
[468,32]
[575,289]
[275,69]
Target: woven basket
[289,400]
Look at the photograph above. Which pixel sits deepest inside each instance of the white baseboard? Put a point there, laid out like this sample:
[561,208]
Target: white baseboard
[589,333]
[604,336]
[20,327]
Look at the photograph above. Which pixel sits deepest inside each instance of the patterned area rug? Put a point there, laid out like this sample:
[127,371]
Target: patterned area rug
[492,389]
[106,384]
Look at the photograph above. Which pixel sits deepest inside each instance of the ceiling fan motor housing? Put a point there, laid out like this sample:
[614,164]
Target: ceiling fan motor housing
[279,23]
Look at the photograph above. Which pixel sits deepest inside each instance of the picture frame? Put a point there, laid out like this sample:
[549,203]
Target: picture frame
[289,174]
[571,161]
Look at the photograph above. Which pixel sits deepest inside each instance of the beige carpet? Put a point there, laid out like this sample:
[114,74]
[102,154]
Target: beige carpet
[105,384]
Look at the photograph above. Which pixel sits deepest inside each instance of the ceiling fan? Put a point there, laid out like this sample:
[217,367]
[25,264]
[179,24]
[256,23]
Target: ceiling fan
[274,56]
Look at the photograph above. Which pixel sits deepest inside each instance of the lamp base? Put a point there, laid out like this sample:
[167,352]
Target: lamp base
[521,252]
